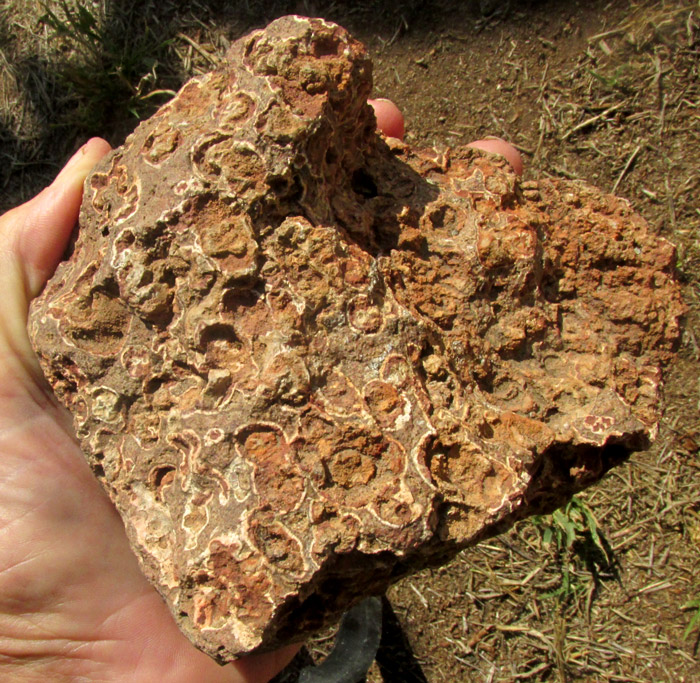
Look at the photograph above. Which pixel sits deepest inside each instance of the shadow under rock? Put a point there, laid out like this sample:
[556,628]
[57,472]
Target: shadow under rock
[395,658]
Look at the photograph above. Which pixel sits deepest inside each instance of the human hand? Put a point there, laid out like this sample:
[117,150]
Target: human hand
[390,121]
[73,601]
[74,604]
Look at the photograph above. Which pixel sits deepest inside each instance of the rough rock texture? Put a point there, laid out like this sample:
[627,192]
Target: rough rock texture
[304,360]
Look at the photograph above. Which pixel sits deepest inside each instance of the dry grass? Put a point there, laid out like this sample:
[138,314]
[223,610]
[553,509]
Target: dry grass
[62,80]
[626,116]
[622,112]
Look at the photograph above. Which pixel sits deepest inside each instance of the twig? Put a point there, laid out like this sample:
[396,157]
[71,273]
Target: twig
[606,34]
[419,594]
[540,668]
[524,150]
[629,163]
[592,120]
[671,204]
[207,55]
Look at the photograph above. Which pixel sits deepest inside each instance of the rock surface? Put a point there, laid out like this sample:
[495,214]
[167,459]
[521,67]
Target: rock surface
[304,360]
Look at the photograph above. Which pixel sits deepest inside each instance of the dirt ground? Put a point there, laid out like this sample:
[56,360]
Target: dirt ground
[606,91]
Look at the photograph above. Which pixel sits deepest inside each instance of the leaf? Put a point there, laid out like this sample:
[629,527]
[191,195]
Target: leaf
[592,525]
[564,520]
[54,22]
[695,619]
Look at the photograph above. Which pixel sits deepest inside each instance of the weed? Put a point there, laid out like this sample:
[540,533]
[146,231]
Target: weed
[618,81]
[574,535]
[110,72]
[695,619]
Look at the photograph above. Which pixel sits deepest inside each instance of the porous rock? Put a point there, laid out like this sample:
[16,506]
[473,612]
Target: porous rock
[305,360]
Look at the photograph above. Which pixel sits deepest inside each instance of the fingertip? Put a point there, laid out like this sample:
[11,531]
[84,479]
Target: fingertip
[505,149]
[96,141]
[83,160]
[265,666]
[50,217]
[390,120]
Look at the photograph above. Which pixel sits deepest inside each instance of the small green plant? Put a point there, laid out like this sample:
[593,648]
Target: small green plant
[694,623]
[617,81]
[109,71]
[572,521]
[573,533]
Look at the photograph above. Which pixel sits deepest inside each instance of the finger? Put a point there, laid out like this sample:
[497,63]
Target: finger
[263,667]
[40,229]
[505,149]
[389,117]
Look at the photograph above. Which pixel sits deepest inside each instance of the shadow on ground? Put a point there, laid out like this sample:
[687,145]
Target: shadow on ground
[100,73]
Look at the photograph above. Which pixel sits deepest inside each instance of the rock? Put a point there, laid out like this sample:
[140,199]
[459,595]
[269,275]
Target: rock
[305,360]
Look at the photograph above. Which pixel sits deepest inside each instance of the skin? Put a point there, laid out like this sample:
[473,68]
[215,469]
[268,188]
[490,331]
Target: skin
[74,605]
[389,117]
[390,121]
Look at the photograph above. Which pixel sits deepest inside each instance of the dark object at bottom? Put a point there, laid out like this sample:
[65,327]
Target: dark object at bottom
[394,656]
[355,646]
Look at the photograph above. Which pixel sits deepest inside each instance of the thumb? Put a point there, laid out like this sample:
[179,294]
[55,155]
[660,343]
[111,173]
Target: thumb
[32,239]
[38,231]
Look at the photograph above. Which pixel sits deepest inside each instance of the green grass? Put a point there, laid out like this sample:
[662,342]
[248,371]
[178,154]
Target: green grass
[617,81]
[694,623]
[572,533]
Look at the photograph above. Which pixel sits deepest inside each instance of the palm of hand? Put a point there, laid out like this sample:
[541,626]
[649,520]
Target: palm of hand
[73,602]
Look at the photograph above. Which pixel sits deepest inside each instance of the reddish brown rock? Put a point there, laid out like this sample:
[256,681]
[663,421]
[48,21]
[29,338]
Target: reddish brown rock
[304,360]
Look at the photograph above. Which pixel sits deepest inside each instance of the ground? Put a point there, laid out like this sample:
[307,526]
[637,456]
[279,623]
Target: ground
[609,92]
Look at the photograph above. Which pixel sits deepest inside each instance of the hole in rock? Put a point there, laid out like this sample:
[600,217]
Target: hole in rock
[363,184]
[326,46]
[217,332]
[154,384]
[278,184]
[162,476]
